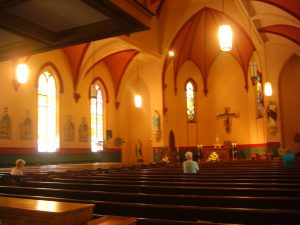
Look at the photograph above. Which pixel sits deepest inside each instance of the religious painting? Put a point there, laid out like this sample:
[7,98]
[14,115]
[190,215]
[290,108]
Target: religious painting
[83,131]
[156,126]
[26,128]
[69,130]
[272,118]
[5,125]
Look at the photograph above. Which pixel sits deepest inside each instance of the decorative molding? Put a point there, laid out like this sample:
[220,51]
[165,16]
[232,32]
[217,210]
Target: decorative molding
[76,97]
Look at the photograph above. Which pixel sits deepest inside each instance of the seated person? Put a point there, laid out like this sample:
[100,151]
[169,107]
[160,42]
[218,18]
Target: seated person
[190,166]
[289,158]
[18,170]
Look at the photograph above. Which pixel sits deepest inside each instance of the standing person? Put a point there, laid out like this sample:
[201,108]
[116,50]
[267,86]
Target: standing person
[190,166]
[18,170]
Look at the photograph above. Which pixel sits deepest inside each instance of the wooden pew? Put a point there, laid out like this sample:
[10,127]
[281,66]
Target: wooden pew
[29,211]
[179,190]
[184,179]
[196,200]
[194,213]
[199,183]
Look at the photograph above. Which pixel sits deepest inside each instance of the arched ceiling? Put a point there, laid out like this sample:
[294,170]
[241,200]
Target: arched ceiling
[197,41]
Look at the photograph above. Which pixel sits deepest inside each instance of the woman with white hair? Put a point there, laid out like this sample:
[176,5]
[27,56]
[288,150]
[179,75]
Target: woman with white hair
[18,170]
[190,166]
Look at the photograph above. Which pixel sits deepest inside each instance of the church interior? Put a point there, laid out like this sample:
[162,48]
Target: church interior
[141,82]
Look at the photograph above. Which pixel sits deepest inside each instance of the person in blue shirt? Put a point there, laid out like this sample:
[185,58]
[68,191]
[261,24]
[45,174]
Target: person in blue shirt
[190,166]
[289,158]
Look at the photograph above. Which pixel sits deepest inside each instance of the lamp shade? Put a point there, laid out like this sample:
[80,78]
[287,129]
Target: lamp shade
[225,37]
[268,89]
[138,101]
[22,72]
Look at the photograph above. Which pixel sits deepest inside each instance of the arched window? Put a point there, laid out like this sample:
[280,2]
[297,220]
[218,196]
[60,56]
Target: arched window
[259,96]
[97,128]
[190,101]
[48,139]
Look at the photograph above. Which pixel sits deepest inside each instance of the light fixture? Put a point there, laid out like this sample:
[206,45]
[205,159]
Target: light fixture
[22,73]
[267,86]
[138,101]
[268,89]
[225,36]
[138,98]
[171,53]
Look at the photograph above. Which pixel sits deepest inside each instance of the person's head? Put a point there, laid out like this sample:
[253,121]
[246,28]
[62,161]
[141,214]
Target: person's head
[20,163]
[189,155]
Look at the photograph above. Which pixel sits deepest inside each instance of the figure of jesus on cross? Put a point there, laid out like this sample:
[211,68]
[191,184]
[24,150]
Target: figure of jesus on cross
[227,116]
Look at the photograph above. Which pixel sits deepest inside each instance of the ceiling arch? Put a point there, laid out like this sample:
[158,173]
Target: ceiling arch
[197,41]
[290,32]
[290,6]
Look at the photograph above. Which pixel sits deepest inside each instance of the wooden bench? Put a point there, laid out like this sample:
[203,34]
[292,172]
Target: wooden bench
[179,190]
[199,183]
[43,212]
[194,213]
[195,200]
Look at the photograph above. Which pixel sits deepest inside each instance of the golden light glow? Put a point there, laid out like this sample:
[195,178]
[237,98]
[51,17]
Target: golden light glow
[225,37]
[22,73]
[171,53]
[43,205]
[268,89]
[138,101]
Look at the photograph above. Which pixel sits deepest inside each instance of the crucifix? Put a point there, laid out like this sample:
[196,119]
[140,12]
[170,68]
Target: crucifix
[227,116]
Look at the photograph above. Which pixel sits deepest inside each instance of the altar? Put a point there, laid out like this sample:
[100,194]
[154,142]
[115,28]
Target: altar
[223,153]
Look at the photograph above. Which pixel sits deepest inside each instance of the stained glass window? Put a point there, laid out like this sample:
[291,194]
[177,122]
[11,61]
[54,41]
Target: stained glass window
[97,128]
[190,101]
[48,140]
[260,97]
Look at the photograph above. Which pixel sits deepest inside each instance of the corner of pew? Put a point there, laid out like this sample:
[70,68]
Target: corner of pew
[113,220]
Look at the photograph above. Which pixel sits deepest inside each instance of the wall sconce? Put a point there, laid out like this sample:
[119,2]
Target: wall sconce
[225,36]
[22,73]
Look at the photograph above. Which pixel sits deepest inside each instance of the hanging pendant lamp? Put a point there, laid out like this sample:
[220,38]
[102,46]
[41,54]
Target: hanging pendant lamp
[138,98]
[225,36]
[267,86]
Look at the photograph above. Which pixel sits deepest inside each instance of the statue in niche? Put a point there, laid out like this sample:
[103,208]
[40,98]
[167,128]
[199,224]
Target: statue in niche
[26,128]
[69,130]
[5,125]
[83,131]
